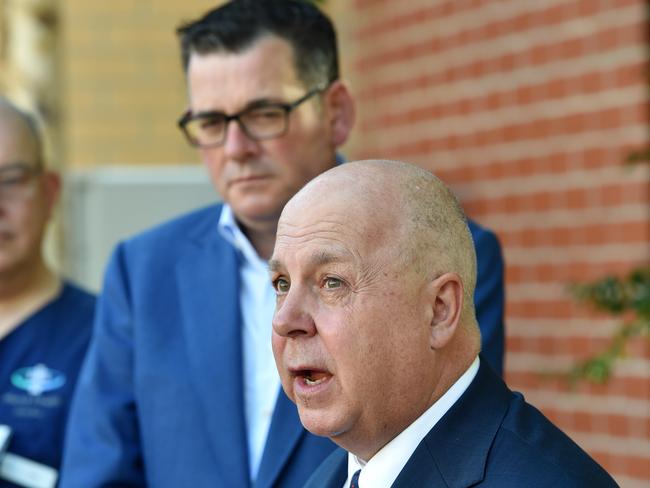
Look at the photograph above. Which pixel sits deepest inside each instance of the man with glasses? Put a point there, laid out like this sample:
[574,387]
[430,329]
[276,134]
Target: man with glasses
[45,323]
[180,386]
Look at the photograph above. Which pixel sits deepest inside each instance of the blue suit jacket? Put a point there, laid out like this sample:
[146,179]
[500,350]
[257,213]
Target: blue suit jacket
[489,295]
[160,398]
[490,438]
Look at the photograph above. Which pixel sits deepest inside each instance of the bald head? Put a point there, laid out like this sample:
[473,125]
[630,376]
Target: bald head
[373,269]
[411,208]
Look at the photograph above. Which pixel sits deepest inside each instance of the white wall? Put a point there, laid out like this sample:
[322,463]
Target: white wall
[103,206]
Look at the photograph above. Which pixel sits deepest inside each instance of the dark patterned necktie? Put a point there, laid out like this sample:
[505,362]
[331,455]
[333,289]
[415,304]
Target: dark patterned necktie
[354,482]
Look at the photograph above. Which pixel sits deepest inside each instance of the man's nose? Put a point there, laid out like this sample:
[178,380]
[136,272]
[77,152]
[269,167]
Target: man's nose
[293,316]
[237,144]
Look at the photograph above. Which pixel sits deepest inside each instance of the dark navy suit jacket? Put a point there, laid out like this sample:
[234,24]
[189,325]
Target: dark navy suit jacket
[490,438]
[160,398]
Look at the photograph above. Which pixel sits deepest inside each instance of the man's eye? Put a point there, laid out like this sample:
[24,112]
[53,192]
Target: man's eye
[332,283]
[265,113]
[211,123]
[13,177]
[281,285]
[263,117]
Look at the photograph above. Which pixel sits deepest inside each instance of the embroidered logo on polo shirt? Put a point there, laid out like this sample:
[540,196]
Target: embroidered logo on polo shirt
[38,379]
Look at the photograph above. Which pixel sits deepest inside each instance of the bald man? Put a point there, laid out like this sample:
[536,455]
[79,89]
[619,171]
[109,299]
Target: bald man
[45,323]
[376,341]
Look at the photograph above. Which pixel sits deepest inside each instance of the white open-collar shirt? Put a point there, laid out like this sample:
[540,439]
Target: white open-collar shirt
[257,302]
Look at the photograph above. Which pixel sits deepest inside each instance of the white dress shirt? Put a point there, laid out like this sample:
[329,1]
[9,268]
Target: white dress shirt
[384,467]
[257,303]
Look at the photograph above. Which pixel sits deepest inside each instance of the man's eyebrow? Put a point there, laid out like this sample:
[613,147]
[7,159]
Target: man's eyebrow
[325,257]
[251,104]
[263,102]
[14,165]
[318,258]
[275,265]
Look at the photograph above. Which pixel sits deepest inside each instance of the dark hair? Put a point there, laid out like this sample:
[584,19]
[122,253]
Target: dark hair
[236,25]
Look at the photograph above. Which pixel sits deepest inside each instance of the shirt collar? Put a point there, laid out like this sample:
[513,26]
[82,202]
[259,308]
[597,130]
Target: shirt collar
[384,467]
[230,231]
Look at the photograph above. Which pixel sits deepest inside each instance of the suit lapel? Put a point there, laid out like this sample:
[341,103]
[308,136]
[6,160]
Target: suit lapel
[454,453]
[332,473]
[208,277]
[284,433]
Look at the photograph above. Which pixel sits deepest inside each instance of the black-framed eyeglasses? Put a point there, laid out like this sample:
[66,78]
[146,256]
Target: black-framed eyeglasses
[259,122]
[16,179]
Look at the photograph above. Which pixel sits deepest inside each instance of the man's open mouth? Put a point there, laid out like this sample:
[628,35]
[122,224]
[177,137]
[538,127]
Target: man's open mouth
[312,377]
[315,377]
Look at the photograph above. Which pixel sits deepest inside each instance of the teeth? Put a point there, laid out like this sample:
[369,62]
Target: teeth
[311,382]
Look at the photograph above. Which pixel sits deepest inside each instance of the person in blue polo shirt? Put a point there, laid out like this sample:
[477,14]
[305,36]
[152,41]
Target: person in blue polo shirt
[45,322]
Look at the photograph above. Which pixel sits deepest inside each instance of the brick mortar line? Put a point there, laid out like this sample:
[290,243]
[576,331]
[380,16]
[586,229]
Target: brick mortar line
[553,164]
[525,362]
[470,19]
[627,446]
[390,8]
[567,254]
[544,121]
[586,179]
[514,112]
[513,151]
[573,401]
[375,60]
[626,481]
[503,138]
[541,328]
[542,291]
[505,222]
[527,75]
[576,202]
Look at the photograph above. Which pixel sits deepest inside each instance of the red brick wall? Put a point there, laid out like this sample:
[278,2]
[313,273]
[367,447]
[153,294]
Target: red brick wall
[528,108]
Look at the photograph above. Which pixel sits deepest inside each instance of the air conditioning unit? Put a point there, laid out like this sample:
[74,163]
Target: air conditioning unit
[102,206]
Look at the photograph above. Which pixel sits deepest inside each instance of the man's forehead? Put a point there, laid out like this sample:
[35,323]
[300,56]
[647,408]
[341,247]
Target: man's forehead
[17,142]
[12,126]
[337,197]
[305,220]
[310,258]
[326,239]
[264,70]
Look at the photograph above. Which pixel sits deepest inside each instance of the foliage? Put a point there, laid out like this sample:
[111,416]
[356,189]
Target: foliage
[627,297]
[641,156]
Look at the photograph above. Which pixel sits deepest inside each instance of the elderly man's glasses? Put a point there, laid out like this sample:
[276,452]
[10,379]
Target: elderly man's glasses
[264,121]
[16,180]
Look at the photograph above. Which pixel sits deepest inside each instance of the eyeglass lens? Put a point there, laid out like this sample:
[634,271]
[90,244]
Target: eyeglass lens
[257,123]
[262,122]
[16,181]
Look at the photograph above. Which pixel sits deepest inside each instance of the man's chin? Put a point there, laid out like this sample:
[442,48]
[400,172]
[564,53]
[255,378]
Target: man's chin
[319,423]
[256,211]
[9,266]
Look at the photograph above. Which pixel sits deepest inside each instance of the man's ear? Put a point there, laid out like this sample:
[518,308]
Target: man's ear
[446,295]
[51,189]
[341,112]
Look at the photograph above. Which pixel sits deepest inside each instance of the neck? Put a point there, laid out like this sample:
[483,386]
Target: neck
[261,237]
[450,365]
[17,282]
[25,292]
